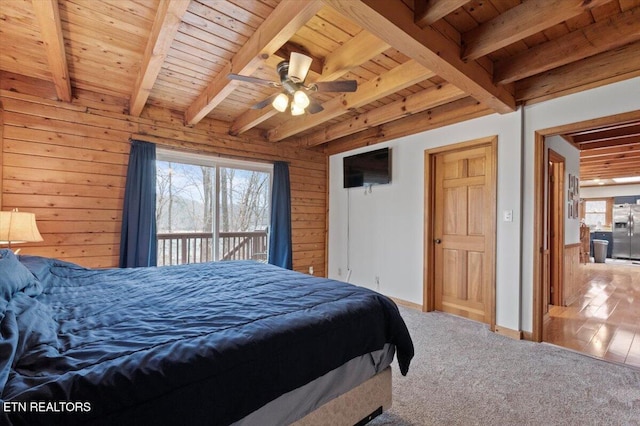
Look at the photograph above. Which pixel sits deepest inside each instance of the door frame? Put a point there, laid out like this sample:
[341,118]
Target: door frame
[538,205]
[556,255]
[428,303]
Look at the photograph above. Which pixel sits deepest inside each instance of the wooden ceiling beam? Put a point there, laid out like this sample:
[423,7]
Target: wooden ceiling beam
[614,168]
[165,26]
[614,162]
[517,23]
[608,34]
[393,22]
[400,77]
[450,113]
[275,31]
[623,140]
[48,17]
[358,50]
[429,11]
[611,150]
[614,65]
[606,134]
[588,176]
[355,52]
[619,129]
[412,104]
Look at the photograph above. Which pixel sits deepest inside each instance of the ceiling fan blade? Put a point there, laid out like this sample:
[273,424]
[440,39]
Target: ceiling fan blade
[263,103]
[314,106]
[335,86]
[255,80]
[299,65]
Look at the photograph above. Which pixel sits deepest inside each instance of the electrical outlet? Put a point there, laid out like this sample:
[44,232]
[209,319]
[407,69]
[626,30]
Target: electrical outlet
[310,270]
[507,215]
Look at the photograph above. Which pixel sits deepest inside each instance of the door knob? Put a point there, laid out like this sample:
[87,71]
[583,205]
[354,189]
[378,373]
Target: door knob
[437,240]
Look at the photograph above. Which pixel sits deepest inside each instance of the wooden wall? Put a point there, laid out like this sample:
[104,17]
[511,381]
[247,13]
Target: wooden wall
[572,274]
[67,163]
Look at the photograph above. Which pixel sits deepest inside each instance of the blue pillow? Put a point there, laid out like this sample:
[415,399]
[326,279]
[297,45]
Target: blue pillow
[14,276]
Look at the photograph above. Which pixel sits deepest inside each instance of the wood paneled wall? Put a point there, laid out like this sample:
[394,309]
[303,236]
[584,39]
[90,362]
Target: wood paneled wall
[572,274]
[66,162]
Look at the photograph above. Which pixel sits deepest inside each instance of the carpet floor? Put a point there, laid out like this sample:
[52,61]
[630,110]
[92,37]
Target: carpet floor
[463,374]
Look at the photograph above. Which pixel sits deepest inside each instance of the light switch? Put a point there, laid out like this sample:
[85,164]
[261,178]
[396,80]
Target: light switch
[508,215]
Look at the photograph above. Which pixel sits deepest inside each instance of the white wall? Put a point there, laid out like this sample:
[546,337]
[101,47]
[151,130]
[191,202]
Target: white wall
[571,156]
[385,228]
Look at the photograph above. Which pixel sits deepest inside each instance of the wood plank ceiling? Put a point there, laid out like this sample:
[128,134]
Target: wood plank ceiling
[410,57]
[608,152]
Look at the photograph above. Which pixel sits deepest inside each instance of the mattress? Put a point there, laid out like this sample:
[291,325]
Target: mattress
[203,344]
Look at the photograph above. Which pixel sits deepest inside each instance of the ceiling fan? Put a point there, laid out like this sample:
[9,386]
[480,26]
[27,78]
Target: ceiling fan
[294,92]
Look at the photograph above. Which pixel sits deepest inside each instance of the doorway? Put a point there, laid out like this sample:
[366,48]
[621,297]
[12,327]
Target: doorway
[541,255]
[460,217]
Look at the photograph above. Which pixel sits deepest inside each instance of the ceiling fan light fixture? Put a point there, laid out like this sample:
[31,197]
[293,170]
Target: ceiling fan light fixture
[296,110]
[299,65]
[281,102]
[301,99]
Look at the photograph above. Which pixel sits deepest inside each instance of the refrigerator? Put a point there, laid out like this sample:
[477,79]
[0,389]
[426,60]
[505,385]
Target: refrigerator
[626,231]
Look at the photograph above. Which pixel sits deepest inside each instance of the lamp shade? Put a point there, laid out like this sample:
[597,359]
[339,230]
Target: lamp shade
[296,110]
[301,99]
[18,227]
[299,65]
[281,102]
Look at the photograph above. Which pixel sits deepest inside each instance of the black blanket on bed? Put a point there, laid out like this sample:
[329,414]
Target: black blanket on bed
[193,344]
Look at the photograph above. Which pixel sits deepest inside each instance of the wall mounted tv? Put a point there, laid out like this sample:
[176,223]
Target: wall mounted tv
[368,168]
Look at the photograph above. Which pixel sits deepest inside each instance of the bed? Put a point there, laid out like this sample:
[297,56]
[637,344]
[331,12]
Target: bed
[237,342]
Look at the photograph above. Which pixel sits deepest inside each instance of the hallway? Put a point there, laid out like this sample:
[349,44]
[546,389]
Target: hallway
[604,321]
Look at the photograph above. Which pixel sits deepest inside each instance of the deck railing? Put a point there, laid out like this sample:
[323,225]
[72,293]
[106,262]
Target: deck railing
[194,247]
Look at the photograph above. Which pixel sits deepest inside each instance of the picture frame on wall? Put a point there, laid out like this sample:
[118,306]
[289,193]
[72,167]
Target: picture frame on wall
[576,197]
[573,197]
[570,196]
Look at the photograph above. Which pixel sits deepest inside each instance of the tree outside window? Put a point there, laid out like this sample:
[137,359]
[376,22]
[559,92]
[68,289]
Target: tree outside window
[213,211]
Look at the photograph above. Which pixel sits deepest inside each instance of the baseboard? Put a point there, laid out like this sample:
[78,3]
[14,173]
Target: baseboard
[406,303]
[514,334]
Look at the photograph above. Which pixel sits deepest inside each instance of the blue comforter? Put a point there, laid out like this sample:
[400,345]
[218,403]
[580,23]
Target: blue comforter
[192,344]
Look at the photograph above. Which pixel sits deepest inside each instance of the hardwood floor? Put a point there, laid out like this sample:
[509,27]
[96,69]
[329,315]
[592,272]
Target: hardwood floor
[604,321]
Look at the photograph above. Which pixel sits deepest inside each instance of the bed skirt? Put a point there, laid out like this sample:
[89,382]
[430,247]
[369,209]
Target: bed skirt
[364,402]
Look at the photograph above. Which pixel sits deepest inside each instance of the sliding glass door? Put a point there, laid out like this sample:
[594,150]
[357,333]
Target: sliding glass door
[211,209]
[243,213]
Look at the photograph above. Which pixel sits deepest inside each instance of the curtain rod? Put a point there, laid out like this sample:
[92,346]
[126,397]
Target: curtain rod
[171,144]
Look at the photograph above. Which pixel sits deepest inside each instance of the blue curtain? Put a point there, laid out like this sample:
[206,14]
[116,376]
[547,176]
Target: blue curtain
[280,252]
[138,245]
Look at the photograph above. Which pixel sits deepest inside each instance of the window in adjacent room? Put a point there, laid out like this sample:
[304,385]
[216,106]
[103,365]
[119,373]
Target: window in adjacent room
[209,208]
[597,212]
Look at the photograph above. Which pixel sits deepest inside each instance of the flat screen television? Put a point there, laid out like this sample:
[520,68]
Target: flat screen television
[368,168]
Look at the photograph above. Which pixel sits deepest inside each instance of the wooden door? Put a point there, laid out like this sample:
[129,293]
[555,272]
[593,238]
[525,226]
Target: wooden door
[555,229]
[464,185]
